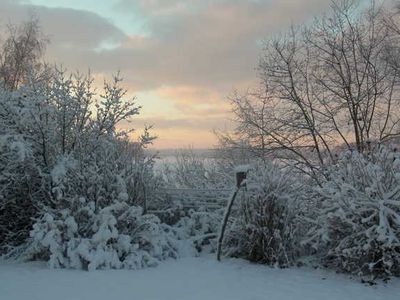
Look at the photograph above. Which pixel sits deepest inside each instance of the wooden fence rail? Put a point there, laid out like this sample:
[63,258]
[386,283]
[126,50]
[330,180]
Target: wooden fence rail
[194,198]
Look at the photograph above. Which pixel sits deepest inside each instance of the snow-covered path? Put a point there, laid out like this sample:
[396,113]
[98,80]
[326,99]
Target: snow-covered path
[185,279]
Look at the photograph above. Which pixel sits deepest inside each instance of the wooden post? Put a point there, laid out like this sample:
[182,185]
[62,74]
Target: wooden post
[241,174]
[224,223]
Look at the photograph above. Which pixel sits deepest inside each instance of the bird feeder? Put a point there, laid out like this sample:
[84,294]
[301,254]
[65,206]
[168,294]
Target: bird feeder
[241,174]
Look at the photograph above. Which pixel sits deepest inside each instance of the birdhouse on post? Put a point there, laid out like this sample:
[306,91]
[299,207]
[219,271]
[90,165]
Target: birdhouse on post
[241,174]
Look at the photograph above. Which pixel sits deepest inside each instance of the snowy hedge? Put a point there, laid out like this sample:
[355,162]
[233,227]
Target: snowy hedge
[357,224]
[117,236]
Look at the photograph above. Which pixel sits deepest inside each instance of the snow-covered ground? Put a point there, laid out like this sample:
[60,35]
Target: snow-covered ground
[187,279]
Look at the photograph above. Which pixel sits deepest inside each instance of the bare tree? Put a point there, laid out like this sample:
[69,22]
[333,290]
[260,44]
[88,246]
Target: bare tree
[329,85]
[21,53]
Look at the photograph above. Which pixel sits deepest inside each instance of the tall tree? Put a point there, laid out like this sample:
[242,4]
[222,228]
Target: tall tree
[325,86]
[21,53]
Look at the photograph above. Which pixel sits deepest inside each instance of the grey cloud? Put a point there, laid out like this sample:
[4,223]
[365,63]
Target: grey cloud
[80,29]
[207,44]
[199,42]
[204,43]
[69,28]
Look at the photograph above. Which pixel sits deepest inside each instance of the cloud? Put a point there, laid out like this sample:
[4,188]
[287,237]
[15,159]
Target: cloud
[200,42]
[66,27]
[189,55]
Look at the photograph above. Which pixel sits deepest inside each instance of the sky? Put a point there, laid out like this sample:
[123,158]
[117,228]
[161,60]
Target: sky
[181,59]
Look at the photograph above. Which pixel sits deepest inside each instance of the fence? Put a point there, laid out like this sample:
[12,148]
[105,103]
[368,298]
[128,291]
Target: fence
[195,198]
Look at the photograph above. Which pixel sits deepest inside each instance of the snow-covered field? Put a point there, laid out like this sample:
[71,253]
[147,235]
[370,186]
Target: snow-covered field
[186,279]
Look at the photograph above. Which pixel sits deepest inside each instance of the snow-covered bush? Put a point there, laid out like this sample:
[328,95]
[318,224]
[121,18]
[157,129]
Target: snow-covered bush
[20,183]
[116,236]
[192,174]
[59,141]
[266,229]
[200,228]
[356,227]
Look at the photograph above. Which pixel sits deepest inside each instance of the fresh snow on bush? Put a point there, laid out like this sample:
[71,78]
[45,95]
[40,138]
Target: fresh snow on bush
[200,228]
[117,236]
[265,227]
[356,227]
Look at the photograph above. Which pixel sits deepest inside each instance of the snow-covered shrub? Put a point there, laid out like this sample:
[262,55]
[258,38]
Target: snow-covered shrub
[20,181]
[171,215]
[59,141]
[94,219]
[116,236]
[184,179]
[356,227]
[200,228]
[265,229]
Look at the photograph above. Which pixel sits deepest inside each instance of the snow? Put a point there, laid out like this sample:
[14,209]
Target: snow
[201,278]
[242,168]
